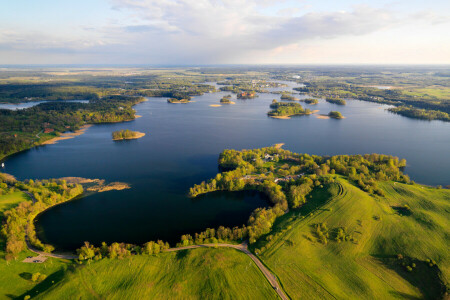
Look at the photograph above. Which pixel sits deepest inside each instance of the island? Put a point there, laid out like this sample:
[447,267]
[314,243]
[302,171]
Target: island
[336,101]
[335,115]
[176,100]
[126,134]
[246,95]
[311,101]
[226,100]
[283,110]
[288,97]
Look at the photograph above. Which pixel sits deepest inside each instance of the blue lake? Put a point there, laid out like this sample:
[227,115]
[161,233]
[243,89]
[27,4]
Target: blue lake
[181,148]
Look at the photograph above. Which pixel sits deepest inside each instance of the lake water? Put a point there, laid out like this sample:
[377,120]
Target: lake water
[181,148]
[16,106]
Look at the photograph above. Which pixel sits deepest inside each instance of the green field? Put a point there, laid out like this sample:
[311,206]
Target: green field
[188,274]
[15,275]
[364,268]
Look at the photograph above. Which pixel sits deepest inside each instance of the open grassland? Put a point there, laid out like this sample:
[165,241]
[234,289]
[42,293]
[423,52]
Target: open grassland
[442,93]
[365,267]
[11,200]
[187,274]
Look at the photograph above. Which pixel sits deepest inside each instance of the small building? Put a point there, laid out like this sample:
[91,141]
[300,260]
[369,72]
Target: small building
[48,130]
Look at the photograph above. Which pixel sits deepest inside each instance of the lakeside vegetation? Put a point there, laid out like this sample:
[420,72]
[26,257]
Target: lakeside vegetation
[424,114]
[18,222]
[126,134]
[283,109]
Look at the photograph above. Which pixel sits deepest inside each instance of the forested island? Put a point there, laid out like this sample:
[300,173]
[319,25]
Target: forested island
[311,101]
[335,115]
[126,134]
[226,100]
[288,97]
[336,101]
[176,100]
[286,110]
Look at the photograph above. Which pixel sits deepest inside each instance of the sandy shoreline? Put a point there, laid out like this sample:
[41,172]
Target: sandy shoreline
[281,117]
[278,146]
[138,136]
[66,136]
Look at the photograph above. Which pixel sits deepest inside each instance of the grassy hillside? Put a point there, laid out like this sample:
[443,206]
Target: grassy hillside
[189,274]
[366,265]
[15,275]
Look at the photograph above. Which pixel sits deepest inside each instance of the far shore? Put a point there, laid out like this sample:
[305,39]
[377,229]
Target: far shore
[137,136]
[66,136]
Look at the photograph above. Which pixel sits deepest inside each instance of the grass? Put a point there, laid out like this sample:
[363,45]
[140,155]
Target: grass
[189,274]
[438,92]
[11,200]
[364,268]
[15,275]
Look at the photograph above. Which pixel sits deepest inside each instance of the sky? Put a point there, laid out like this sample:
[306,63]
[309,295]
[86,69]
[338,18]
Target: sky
[201,32]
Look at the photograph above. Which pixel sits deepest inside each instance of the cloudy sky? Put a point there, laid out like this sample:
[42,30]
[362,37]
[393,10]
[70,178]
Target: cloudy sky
[224,31]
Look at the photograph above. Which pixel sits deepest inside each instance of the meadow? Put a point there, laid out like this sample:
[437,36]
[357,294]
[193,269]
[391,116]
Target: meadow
[187,274]
[364,265]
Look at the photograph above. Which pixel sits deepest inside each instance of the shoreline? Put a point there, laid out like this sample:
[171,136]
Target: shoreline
[67,136]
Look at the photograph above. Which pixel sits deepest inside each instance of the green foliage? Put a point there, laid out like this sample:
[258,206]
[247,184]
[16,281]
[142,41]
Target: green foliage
[280,109]
[335,114]
[18,221]
[124,134]
[417,113]
[336,101]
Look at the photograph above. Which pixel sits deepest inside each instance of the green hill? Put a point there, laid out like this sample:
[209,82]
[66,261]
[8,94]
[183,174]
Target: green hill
[366,265]
[187,274]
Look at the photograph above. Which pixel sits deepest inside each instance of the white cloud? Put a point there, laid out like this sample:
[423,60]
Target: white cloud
[213,31]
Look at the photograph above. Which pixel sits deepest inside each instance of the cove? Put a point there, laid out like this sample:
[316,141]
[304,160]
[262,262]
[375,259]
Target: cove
[221,208]
[181,148]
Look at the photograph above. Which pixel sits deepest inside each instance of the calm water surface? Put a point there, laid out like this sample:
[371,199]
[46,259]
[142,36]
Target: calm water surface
[181,148]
